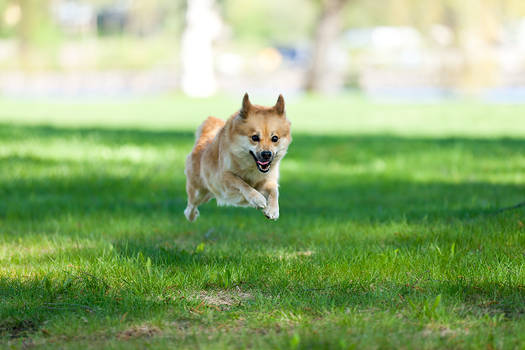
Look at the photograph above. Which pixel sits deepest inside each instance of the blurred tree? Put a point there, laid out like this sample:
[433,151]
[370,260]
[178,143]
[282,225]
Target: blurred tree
[144,17]
[203,25]
[328,29]
[149,17]
[27,29]
[36,26]
[32,27]
[9,16]
[270,22]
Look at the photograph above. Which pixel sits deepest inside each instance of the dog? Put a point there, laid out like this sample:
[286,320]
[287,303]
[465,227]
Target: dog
[237,161]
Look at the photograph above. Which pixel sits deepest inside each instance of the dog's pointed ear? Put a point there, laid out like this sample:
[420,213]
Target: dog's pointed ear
[246,105]
[279,106]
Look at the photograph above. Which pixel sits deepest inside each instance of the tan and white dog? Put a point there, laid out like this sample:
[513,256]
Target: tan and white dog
[237,161]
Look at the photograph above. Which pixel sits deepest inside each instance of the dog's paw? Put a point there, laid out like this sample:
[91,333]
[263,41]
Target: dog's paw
[191,213]
[271,213]
[257,200]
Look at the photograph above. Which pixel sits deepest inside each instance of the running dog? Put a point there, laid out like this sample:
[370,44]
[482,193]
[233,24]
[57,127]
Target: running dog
[237,161]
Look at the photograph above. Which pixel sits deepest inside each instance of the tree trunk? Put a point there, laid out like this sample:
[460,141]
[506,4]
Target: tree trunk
[321,75]
[202,27]
[28,24]
[33,13]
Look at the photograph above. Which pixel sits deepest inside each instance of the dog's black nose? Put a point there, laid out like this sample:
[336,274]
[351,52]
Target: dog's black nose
[266,155]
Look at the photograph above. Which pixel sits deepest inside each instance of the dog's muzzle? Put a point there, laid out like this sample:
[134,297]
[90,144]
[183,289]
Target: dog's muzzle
[264,161]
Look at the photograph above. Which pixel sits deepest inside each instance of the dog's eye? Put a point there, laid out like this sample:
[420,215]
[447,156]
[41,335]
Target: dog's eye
[255,138]
[275,139]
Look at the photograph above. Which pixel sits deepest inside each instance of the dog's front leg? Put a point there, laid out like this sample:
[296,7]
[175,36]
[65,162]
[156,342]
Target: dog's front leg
[272,209]
[251,195]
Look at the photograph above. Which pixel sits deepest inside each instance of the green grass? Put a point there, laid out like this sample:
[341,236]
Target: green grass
[388,236]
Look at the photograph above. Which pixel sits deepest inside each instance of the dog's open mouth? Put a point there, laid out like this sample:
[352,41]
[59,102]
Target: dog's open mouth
[263,166]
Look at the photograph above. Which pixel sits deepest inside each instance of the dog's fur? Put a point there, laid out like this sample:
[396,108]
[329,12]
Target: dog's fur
[230,166]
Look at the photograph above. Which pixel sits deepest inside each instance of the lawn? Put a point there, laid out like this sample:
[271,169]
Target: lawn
[390,235]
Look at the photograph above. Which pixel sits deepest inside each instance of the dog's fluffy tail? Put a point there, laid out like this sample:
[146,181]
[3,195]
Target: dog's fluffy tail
[209,128]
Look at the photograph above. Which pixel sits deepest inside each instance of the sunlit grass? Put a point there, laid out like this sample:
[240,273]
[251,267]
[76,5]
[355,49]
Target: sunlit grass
[389,235]
[347,114]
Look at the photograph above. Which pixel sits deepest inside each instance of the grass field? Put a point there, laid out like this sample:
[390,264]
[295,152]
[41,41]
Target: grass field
[389,236]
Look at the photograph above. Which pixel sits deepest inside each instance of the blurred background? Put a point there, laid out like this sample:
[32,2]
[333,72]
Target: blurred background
[416,49]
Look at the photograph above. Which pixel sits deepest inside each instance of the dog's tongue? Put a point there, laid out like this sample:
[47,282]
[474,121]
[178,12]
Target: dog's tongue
[262,163]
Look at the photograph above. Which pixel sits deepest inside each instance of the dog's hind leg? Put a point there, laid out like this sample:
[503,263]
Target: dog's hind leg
[196,197]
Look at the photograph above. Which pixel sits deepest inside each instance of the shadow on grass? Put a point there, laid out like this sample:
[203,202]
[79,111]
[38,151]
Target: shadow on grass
[344,200]
[27,305]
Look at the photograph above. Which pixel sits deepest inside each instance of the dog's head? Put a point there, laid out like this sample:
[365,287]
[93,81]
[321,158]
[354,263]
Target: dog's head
[262,133]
